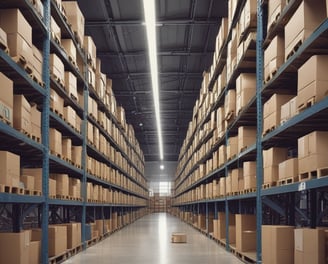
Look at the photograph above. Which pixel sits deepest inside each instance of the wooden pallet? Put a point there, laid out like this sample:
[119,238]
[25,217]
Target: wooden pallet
[57,113]
[32,192]
[73,62]
[269,130]
[58,80]
[37,80]
[73,97]
[55,38]
[52,196]
[55,154]
[25,133]
[11,189]
[4,120]
[92,241]
[76,165]
[318,173]
[75,250]
[270,75]
[22,62]
[245,257]
[295,49]
[59,258]
[287,181]
[4,47]
[309,103]
[36,138]
[269,185]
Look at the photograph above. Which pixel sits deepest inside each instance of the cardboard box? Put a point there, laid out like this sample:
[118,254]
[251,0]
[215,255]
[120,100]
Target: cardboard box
[28,181]
[274,156]
[55,31]
[75,18]
[305,20]
[277,244]
[52,187]
[100,226]
[9,169]
[73,235]
[232,147]
[13,22]
[275,8]
[74,187]
[288,169]
[22,114]
[55,141]
[35,121]
[312,80]
[309,245]
[67,148]
[274,56]
[250,14]
[179,238]
[71,84]
[20,242]
[313,143]
[236,175]
[245,232]
[62,183]
[19,49]
[230,104]
[246,137]
[245,90]
[70,115]
[34,252]
[249,169]
[37,174]
[90,49]
[271,111]
[56,102]
[57,68]
[6,98]
[77,155]
[37,63]
[70,49]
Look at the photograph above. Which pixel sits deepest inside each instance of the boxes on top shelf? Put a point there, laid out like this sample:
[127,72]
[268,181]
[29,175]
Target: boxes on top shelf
[6,99]
[301,25]
[250,16]
[275,8]
[232,54]
[9,169]
[101,85]
[22,114]
[312,81]
[75,19]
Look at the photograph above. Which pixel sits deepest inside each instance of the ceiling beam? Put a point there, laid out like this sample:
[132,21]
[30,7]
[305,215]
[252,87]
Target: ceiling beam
[160,53]
[197,75]
[163,22]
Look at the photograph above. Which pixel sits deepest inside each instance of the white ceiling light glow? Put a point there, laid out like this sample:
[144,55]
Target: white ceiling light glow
[150,20]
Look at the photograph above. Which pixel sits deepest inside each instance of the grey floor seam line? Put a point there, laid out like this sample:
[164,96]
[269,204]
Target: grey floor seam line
[148,241]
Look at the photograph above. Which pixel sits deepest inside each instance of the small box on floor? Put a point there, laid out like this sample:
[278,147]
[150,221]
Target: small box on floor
[179,238]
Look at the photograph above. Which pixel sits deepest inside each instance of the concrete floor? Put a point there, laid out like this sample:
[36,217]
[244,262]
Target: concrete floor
[148,241]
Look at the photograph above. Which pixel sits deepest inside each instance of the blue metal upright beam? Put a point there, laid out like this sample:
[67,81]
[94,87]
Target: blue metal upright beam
[84,155]
[259,112]
[45,132]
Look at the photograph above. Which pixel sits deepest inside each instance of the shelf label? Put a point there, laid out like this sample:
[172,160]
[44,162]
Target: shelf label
[302,186]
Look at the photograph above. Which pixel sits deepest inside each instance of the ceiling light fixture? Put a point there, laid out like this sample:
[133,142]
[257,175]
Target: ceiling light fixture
[150,19]
[161,167]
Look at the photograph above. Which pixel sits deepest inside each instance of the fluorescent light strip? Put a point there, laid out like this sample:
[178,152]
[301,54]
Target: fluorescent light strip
[150,19]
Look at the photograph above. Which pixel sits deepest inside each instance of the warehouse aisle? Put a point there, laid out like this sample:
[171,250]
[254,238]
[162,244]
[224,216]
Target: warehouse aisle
[147,241]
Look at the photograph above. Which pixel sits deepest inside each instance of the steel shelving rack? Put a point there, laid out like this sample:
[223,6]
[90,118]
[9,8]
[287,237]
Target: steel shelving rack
[281,202]
[38,153]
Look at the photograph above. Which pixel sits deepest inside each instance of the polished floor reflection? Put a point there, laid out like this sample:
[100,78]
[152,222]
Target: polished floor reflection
[147,241]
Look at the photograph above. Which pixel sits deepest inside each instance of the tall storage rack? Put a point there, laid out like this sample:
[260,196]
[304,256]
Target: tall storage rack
[36,153]
[299,201]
